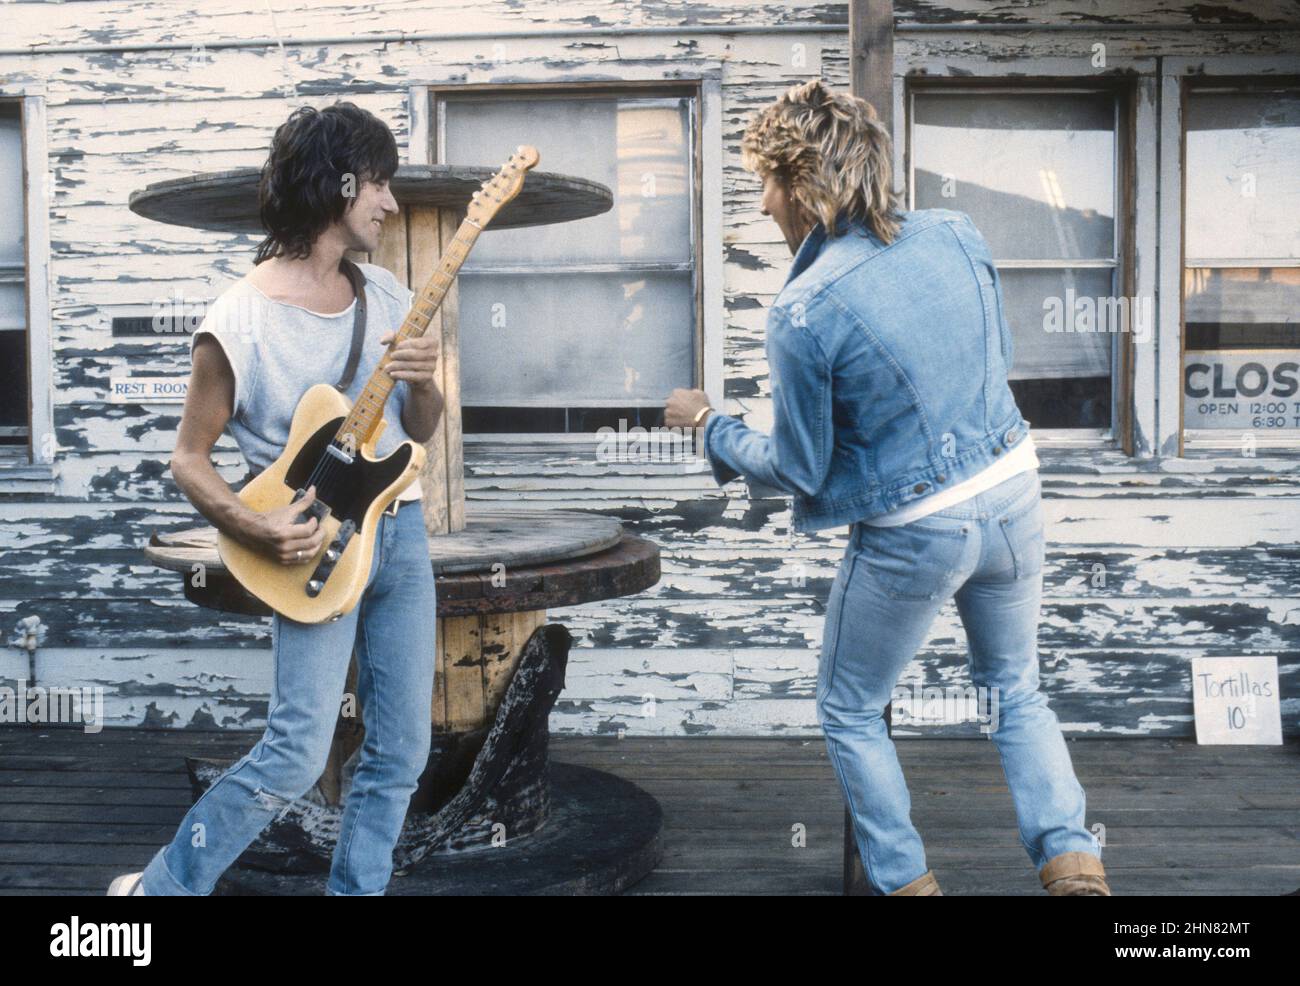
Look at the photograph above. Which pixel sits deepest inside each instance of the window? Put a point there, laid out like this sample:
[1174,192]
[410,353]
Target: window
[14,371]
[1241,275]
[575,326]
[1037,171]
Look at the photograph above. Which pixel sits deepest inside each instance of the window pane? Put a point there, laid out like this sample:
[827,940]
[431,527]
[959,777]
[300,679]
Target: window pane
[12,225]
[575,339]
[1063,323]
[1242,199]
[1058,321]
[13,305]
[579,339]
[478,419]
[1081,402]
[1035,171]
[639,148]
[1242,307]
[13,385]
[1241,368]
[1243,193]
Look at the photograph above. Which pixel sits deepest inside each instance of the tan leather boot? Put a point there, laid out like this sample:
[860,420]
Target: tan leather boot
[923,886]
[1074,874]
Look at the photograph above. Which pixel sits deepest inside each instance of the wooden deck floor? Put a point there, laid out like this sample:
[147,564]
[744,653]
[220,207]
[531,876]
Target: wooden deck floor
[77,809]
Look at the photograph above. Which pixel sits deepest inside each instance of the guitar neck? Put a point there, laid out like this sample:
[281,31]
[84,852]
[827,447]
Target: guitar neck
[369,407]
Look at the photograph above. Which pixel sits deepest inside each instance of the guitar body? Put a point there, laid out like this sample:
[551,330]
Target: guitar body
[355,494]
[352,486]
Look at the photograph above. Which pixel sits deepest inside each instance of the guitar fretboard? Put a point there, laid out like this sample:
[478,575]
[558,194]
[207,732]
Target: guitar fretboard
[360,424]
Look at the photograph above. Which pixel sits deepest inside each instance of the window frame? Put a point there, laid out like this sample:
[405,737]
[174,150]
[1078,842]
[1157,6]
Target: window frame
[703,89]
[1001,79]
[1219,75]
[21,466]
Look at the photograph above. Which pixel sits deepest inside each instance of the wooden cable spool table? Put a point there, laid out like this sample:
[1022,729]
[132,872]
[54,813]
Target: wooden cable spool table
[491,813]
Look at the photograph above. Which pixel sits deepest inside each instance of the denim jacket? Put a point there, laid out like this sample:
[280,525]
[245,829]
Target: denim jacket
[888,373]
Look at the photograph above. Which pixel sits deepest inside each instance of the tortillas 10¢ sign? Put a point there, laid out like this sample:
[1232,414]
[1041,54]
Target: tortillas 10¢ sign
[1237,700]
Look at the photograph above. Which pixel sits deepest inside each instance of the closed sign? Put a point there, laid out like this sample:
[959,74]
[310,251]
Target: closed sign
[1250,390]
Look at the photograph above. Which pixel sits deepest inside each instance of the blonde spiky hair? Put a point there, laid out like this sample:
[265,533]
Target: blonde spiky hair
[831,152]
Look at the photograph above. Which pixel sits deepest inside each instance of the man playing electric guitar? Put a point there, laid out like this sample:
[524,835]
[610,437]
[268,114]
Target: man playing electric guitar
[284,327]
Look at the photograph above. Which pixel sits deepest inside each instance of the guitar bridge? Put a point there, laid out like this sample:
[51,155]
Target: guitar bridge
[331,557]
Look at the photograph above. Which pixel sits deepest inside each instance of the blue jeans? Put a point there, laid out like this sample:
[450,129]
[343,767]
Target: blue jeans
[394,633]
[988,552]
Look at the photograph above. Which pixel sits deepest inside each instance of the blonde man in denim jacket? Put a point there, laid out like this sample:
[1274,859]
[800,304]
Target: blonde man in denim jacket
[889,356]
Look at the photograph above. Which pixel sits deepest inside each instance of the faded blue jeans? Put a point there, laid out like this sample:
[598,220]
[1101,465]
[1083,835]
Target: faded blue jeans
[394,633]
[988,552]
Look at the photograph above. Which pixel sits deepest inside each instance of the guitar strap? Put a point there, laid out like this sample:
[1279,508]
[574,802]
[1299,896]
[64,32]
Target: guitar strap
[358,280]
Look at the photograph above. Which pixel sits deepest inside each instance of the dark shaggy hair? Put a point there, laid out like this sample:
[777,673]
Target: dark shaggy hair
[301,191]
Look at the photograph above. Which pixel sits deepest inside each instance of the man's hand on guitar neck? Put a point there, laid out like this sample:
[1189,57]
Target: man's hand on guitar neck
[416,361]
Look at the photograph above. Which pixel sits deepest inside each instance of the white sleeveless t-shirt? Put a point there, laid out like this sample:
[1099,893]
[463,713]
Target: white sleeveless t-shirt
[278,351]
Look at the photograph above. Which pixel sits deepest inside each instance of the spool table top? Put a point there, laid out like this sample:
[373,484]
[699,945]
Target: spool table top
[226,201]
[546,558]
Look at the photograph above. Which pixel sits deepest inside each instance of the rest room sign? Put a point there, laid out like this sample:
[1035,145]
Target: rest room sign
[1242,390]
[1236,701]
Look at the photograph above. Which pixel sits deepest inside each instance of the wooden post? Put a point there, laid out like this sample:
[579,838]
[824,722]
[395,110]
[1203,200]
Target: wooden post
[871,55]
[477,655]
[411,248]
[871,66]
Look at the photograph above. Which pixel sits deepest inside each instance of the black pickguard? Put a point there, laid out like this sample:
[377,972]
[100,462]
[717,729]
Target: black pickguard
[347,489]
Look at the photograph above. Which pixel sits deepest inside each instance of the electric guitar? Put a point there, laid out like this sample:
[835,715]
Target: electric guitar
[332,445]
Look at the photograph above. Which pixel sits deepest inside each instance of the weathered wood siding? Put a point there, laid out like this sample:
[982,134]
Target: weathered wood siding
[1150,563]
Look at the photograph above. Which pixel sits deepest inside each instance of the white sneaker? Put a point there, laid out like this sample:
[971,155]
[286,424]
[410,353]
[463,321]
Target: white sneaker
[127,885]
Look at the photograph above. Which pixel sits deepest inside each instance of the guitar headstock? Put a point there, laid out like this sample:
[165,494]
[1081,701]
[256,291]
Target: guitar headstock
[503,186]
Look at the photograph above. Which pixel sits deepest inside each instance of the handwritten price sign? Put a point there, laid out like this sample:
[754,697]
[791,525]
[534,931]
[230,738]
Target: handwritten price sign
[1236,700]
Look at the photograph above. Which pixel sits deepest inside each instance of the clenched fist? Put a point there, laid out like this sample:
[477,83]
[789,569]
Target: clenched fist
[682,407]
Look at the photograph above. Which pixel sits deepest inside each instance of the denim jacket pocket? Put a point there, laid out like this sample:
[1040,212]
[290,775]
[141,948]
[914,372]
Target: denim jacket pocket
[914,563]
